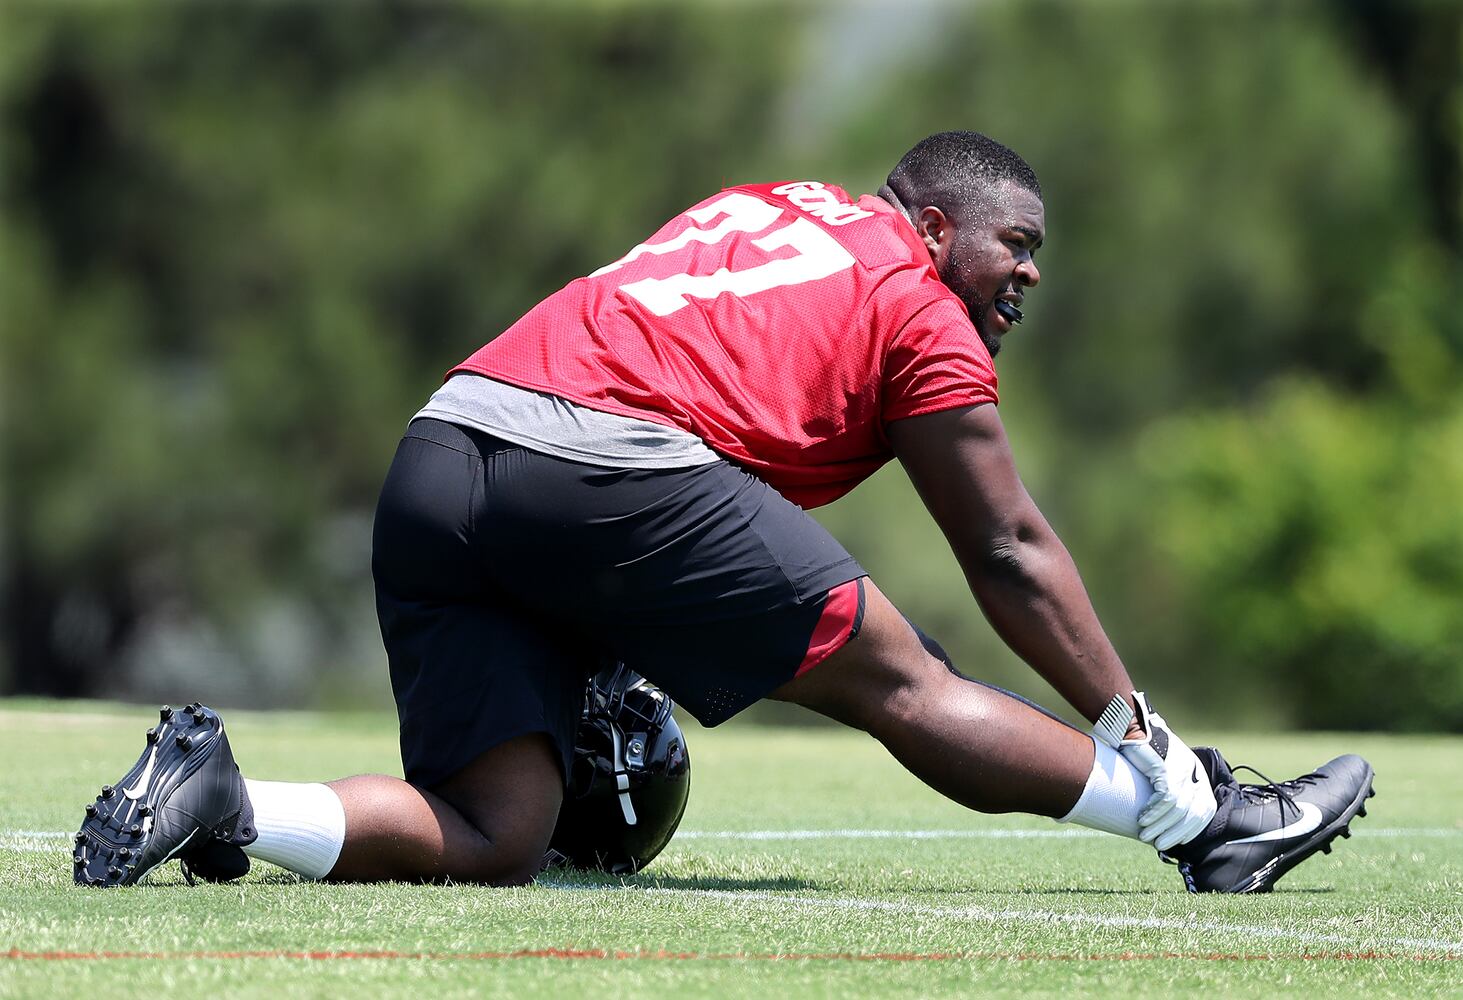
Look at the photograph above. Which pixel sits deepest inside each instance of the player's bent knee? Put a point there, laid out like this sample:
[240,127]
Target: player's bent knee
[503,858]
[509,867]
[510,797]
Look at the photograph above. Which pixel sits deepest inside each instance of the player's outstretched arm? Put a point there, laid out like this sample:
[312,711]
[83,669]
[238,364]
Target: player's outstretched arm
[1028,586]
[1018,569]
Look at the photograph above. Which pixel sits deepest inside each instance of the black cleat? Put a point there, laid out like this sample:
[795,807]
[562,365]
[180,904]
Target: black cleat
[1260,832]
[183,791]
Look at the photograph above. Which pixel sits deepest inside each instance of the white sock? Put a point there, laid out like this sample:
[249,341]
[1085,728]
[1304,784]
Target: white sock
[1115,794]
[301,826]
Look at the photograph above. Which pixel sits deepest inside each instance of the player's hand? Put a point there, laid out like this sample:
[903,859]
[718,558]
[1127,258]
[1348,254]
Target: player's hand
[1182,803]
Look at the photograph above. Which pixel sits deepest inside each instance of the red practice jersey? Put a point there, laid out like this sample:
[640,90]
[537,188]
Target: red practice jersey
[784,325]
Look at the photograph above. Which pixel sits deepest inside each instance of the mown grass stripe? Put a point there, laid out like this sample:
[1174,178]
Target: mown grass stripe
[601,954]
[17,839]
[978,834]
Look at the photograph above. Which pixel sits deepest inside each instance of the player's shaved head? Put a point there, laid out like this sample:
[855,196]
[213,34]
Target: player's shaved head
[977,207]
[958,171]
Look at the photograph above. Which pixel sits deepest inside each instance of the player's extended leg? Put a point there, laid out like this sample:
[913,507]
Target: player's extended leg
[973,743]
[490,822]
[994,752]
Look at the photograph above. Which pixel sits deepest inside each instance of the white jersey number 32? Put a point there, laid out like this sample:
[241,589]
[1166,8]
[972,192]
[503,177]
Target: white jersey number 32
[818,255]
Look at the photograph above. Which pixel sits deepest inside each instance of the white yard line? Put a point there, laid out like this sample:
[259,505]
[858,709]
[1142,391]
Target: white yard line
[16,720]
[1047,917]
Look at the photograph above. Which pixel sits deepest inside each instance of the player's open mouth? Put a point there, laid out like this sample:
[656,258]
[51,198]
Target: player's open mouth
[1008,311]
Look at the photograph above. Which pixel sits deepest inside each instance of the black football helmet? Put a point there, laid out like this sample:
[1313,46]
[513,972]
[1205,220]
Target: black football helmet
[630,778]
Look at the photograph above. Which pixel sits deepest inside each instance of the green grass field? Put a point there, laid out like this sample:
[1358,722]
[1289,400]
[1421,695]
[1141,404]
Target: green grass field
[808,864]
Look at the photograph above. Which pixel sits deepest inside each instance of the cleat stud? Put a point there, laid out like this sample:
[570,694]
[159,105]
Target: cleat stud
[1361,811]
[186,742]
[165,713]
[198,717]
[80,837]
[78,859]
[91,809]
[108,791]
[114,872]
[1346,833]
[144,810]
[124,853]
[135,829]
[152,736]
[1325,848]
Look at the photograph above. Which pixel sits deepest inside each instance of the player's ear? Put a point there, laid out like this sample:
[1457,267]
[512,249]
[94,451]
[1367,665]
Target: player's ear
[935,230]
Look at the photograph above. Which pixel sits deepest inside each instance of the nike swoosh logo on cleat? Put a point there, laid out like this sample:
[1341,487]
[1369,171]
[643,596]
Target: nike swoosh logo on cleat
[139,788]
[1310,818]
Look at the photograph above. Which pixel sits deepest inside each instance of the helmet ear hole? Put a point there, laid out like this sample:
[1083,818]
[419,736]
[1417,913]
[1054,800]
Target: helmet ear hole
[630,778]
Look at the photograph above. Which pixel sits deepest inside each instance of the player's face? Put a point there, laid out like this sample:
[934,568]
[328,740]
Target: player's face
[989,259]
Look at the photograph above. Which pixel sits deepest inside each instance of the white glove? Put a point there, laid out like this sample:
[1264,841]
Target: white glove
[1182,803]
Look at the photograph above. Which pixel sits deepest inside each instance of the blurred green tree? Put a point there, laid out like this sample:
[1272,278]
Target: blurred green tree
[241,246]
[241,243]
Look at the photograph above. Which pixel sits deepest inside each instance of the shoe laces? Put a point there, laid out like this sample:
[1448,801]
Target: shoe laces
[1280,790]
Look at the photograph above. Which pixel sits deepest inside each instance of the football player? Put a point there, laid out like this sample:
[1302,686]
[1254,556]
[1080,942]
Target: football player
[622,476]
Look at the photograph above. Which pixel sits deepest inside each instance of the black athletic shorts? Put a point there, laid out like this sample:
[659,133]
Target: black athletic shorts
[505,577]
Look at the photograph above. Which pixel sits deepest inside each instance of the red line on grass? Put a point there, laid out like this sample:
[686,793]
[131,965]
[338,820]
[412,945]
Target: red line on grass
[16,954]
